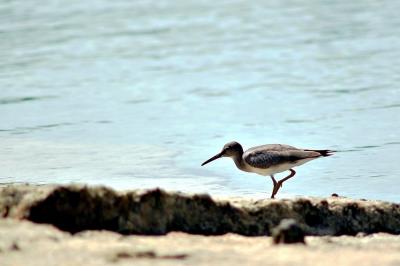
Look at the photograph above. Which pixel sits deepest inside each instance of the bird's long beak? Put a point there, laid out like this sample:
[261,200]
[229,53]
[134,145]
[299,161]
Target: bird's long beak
[219,155]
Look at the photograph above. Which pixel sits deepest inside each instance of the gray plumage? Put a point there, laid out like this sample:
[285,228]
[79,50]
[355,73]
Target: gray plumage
[266,156]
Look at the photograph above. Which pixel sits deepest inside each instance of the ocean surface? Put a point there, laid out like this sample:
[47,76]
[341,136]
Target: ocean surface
[137,94]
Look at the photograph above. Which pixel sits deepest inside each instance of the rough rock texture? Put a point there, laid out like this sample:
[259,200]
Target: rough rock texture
[77,208]
[288,232]
[24,243]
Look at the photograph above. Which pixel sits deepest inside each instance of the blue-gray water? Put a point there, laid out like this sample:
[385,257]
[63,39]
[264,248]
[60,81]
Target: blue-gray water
[137,94]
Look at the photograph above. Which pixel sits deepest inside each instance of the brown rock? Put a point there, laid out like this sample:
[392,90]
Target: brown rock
[288,232]
[156,212]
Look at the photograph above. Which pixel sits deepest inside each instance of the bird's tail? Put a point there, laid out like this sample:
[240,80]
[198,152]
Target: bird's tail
[324,153]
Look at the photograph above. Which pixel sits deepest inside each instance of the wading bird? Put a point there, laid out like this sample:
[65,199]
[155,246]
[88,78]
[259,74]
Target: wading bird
[269,159]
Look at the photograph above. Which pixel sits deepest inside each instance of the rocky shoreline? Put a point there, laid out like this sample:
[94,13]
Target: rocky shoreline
[156,212]
[104,227]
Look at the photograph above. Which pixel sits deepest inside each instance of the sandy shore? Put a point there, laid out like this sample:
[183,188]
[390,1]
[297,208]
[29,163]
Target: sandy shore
[26,243]
[78,225]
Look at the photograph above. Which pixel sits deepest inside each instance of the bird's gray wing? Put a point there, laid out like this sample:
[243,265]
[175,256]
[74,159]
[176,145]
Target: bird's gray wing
[263,158]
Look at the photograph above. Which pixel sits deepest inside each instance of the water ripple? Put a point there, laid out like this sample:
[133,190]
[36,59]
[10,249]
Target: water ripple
[138,101]
[209,93]
[387,106]
[24,99]
[25,130]
[367,147]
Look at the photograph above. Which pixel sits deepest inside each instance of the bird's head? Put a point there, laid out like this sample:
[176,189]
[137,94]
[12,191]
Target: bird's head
[230,149]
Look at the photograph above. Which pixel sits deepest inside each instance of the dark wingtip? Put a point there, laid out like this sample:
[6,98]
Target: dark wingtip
[324,153]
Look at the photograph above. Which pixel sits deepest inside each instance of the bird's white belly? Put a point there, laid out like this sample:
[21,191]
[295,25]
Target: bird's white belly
[277,168]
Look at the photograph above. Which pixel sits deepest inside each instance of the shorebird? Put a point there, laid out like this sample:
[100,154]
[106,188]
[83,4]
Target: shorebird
[269,159]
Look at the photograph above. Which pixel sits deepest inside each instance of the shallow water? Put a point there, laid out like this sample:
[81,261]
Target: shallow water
[137,94]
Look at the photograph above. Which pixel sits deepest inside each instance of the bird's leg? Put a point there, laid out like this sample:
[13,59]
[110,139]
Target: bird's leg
[275,184]
[275,189]
[292,173]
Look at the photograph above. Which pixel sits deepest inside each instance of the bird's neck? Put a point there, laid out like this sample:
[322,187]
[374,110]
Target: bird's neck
[238,159]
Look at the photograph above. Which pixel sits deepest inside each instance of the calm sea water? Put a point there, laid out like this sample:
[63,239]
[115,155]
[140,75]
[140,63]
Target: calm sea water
[137,94]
